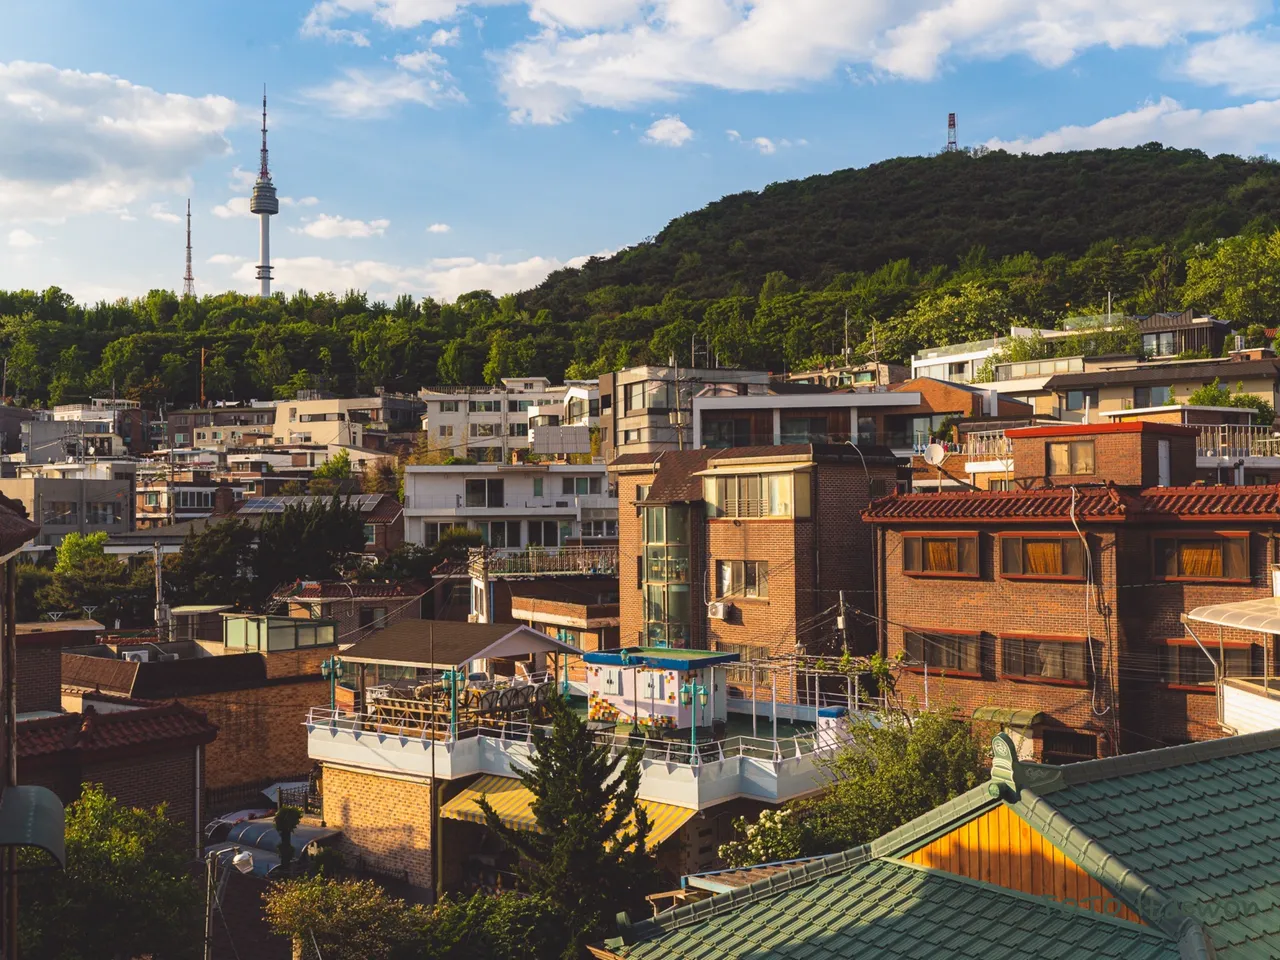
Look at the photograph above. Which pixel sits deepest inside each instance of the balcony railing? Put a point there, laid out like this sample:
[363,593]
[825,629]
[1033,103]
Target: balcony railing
[1232,441]
[569,501]
[517,561]
[986,445]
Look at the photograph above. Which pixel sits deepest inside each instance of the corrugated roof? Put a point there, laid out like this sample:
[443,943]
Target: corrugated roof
[889,910]
[1094,503]
[117,730]
[1163,373]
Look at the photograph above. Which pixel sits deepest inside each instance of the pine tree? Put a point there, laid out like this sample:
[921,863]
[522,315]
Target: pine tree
[590,854]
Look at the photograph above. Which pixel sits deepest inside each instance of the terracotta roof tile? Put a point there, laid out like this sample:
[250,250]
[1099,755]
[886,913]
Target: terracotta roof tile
[15,528]
[92,731]
[1094,503]
[342,590]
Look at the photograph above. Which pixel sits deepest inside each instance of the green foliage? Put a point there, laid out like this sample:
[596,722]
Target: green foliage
[412,562]
[591,856]
[128,890]
[1215,395]
[885,776]
[32,579]
[77,549]
[503,927]
[286,821]
[337,467]
[379,476]
[348,919]
[85,576]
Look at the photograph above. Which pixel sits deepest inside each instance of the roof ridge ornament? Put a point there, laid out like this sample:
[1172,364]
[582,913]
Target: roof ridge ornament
[1009,774]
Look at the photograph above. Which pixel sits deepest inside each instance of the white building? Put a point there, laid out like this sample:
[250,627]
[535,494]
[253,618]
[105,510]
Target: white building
[512,505]
[487,422]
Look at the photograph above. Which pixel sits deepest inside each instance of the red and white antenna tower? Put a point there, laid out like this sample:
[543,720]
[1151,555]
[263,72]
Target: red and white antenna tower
[188,279]
[952,145]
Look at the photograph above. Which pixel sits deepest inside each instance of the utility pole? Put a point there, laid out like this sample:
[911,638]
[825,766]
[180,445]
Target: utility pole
[846,335]
[162,609]
[842,626]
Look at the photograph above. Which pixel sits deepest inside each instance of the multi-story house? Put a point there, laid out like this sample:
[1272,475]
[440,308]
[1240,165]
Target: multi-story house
[851,375]
[222,426]
[1056,605]
[486,423]
[100,428]
[513,506]
[353,422]
[75,497]
[165,495]
[650,408]
[750,550]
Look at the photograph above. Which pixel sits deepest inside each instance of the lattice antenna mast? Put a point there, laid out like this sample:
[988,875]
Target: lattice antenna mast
[263,171]
[952,144]
[188,278]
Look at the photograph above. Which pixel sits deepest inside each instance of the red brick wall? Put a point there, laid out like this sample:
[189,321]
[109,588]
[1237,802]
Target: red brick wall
[39,679]
[630,554]
[1126,458]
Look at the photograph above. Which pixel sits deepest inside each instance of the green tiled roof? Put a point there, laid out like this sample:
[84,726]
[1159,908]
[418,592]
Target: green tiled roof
[890,910]
[1198,823]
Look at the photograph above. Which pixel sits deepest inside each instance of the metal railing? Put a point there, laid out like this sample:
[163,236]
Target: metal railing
[1232,441]
[509,561]
[666,750]
[987,445]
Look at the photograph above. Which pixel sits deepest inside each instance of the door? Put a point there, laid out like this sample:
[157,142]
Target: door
[1163,456]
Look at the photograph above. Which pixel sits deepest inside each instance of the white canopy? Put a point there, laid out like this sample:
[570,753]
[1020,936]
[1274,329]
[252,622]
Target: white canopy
[1261,616]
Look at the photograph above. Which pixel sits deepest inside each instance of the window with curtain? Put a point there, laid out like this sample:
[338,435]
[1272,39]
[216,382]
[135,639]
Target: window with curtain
[1070,458]
[1184,664]
[1025,658]
[1202,558]
[752,495]
[925,554]
[1042,557]
[961,653]
[742,578]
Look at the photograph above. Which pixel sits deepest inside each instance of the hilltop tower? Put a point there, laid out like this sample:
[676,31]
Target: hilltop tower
[188,278]
[952,145]
[266,205]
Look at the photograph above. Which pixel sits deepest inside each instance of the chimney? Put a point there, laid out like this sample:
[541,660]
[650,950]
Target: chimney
[224,500]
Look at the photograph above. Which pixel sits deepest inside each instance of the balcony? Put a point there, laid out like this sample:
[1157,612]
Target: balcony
[1251,704]
[539,561]
[986,445]
[457,505]
[1237,441]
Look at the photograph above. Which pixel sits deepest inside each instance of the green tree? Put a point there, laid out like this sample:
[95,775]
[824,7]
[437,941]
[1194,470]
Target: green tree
[215,564]
[345,919]
[128,889]
[379,476]
[1215,395]
[78,549]
[286,821]
[888,773]
[508,926]
[85,576]
[590,854]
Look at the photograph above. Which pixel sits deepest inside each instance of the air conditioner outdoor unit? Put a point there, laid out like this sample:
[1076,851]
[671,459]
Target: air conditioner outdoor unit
[138,656]
[718,610]
[168,656]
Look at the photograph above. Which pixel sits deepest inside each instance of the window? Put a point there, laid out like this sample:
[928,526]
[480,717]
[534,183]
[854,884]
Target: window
[485,493]
[517,429]
[923,554]
[519,406]
[1183,663]
[370,535]
[1151,397]
[642,491]
[484,429]
[606,401]
[1000,486]
[1202,558]
[544,533]
[757,495]
[484,406]
[293,414]
[1042,557]
[723,434]
[448,406]
[1160,344]
[593,408]
[804,430]
[432,532]
[151,499]
[742,578]
[61,511]
[446,431]
[373,616]
[599,528]
[1034,658]
[951,652]
[1076,399]
[1068,746]
[630,436]
[103,514]
[864,376]
[1070,458]
[179,438]
[500,533]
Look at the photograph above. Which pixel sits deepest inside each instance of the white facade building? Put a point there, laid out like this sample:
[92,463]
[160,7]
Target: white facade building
[488,422]
[514,506]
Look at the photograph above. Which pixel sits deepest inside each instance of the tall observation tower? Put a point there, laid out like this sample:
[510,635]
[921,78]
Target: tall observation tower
[265,204]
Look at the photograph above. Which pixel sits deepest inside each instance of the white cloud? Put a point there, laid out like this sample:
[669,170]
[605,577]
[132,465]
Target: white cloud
[734,135]
[669,132]
[21,238]
[445,38]
[1244,63]
[443,279]
[235,207]
[1243,129]
[632,53]
[764,145]
[78,143]
[438,228]
[161,212]
[227,258]
[326,227]
[242,179]
[299,201]
[417,79]
[394,14]
[421,61]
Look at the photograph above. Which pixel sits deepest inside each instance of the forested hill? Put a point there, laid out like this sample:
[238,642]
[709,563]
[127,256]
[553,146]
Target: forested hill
[932,211]
[914,252]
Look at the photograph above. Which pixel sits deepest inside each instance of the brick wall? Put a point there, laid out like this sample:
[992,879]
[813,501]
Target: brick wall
[630,556]
[39,677]
[260,731]
[1127,457]
[385,822]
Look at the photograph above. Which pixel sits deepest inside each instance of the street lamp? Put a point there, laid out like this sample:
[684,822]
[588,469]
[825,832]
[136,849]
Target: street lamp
[242,860]
[690,692]
[332,670]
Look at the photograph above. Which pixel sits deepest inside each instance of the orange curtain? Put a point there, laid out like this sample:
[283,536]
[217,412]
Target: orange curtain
[1041,557]
[941,555]
[1200,560]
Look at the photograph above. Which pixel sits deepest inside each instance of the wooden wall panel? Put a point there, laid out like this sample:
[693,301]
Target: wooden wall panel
[1000,848]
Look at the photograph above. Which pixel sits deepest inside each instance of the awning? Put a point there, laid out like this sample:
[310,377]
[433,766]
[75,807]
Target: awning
[33,817]
[1009,717]
[1261,616]
[511,802]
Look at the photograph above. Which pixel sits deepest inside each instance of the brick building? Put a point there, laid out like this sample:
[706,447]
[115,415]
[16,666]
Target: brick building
[1055,607]
[357,608]
[39,660]
[746,549]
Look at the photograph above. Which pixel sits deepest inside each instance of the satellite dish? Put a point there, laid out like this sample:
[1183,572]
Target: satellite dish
[934,454]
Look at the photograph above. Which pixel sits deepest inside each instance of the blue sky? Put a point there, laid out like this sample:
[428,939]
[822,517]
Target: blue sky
[438,146]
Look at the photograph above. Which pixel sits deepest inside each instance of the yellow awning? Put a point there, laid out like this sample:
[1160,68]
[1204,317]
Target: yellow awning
[511,802]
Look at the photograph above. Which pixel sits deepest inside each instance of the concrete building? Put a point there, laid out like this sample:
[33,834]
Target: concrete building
[851,375]
[648,409]
[100,428]
[71,504]
[222,426]
[569,425]
[513,506]
[486,423]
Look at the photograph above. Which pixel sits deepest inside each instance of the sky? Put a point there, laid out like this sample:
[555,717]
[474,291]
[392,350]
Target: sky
[434,147]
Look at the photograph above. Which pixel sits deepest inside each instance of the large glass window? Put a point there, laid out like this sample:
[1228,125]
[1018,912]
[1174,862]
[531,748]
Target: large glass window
[927,555]
[666,575]
[724,433]
[757,495]
[1042,557]
[804,430]
[1070,458]
[742,578]
[1144,397]
[1185,664]
[485,493]
[1079,399]
[957,653]
[1160,344]
[1031,658]
[1202,558]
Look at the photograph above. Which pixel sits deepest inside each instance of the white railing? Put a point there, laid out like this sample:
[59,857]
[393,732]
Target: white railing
[987,445]
[1232,441]
[568,501]
[510,561]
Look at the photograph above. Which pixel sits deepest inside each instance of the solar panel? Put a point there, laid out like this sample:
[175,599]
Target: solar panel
[360,501]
